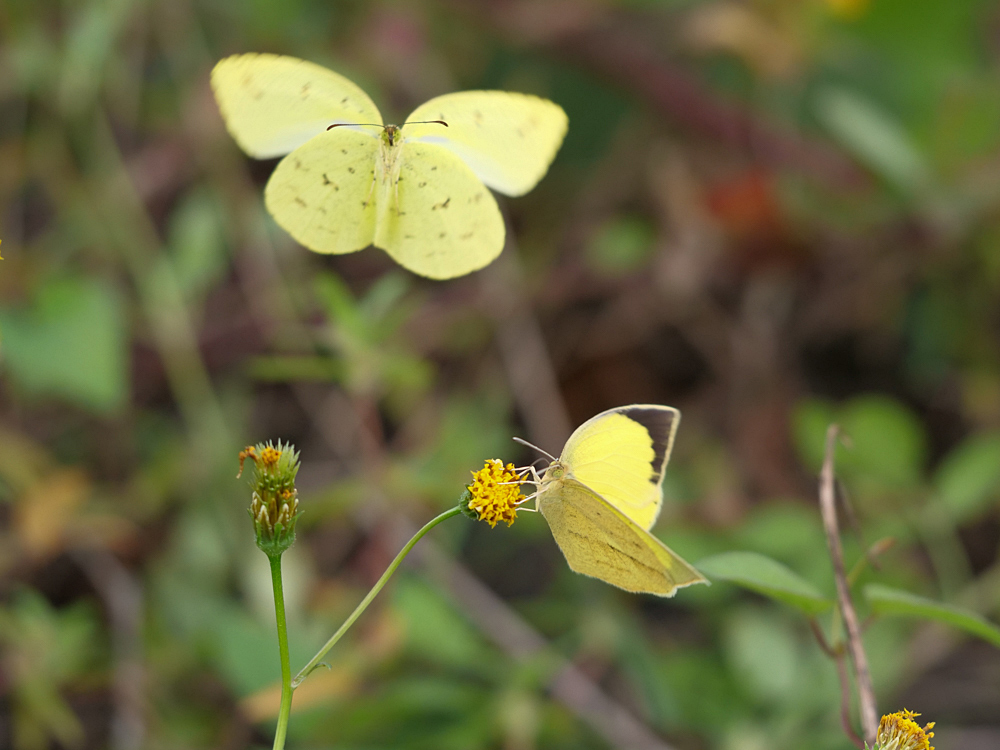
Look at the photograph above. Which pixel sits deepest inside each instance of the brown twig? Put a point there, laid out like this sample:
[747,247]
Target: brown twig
[820,636]
[837,654]
[828,508]
[845,701]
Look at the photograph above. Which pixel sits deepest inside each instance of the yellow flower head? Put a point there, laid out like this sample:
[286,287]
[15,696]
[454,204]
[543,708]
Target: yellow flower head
[899,731]
[495,492]
[270,455]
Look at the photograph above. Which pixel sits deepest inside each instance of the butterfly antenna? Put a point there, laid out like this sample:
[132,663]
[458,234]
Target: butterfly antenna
[356,124]
[531,445]
[425,122]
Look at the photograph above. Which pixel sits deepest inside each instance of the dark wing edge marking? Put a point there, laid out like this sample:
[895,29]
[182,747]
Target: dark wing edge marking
[662,425]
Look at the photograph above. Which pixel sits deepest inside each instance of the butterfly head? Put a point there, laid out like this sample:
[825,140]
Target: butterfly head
[557,470]
[390,134]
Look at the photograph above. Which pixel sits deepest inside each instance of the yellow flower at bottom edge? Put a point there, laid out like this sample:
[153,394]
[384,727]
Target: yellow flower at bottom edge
[495,492]
[899,731]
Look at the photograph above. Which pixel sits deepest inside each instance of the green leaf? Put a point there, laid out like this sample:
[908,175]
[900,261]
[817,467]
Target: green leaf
[381,300]
[874,137]
[92,40]
[340,304]
[765,576]
[968,479]
[434,628]
[889,601]
[70,343]
[887,441]
[763,649]
[197,243]
[622,245]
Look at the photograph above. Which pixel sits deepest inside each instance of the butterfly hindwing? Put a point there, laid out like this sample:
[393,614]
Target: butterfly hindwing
[621,454]
[598,540]
[438,220]
[323,193]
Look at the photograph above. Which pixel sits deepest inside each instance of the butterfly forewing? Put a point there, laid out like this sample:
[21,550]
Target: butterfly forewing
[323,194]
[273,104]
[621,454]
[507,139]
[600,541]
[438,220]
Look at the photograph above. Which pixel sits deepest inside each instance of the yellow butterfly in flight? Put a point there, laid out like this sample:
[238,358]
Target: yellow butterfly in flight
[416,190]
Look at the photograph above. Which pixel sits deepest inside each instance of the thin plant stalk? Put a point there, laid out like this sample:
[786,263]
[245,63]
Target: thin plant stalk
[855,647]
[314,662]
[286,670]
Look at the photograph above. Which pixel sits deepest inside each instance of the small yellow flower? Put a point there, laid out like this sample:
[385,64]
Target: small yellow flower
[270,456]
[495,492]
[899,731]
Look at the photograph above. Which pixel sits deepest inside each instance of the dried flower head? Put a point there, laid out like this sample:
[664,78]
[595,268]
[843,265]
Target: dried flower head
[899,731]
[495,493]
[275,504]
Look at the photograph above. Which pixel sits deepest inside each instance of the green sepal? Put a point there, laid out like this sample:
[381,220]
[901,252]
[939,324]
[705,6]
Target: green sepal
[463,503]
[275,543]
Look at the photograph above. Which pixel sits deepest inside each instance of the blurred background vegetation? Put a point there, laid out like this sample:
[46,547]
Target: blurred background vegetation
[770,214]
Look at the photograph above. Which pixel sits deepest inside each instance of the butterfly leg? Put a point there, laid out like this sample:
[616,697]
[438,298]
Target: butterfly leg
[522,474]
[535,480]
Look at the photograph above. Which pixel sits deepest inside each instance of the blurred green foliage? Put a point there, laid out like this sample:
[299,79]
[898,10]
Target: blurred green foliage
[772,214]
[70,343]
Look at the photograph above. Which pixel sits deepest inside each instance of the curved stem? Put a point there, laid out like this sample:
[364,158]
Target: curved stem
[304,672]
[286,670]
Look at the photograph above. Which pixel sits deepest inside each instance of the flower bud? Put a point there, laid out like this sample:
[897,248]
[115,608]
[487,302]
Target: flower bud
[274,507]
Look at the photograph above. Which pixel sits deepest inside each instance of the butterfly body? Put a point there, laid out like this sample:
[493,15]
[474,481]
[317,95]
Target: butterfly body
[417,190]
[603,493]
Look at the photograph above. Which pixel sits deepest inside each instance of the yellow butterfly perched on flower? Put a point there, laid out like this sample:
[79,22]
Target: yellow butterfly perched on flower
[603,494]
[416,190]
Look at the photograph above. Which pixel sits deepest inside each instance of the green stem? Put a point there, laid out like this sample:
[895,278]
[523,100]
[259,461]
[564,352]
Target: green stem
[286,670]
[304,672]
